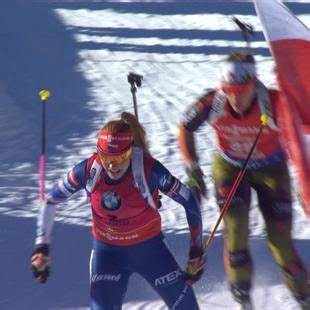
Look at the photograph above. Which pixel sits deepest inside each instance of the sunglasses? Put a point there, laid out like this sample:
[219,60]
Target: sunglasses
[237,89]
[117,159]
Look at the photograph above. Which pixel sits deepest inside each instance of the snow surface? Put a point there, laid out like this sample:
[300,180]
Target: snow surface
[82,51]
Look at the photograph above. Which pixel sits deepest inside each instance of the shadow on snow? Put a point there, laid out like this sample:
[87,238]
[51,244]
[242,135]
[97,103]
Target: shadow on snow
[70,251]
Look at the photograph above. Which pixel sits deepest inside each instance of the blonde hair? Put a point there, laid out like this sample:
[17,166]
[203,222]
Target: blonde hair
[128,122]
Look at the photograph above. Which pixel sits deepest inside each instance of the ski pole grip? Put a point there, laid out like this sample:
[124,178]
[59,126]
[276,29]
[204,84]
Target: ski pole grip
[264,119]
[44,94]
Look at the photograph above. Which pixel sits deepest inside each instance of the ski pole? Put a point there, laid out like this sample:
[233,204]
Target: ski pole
[134,80]
[44,94]
[264,120]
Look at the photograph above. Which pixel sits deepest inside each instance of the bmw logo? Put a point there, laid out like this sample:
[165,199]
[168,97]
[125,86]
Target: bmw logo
[110,201]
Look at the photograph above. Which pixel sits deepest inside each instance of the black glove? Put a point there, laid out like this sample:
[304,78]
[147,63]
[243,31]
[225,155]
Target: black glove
[40,262]
[158,202]
[196,181]
[195,264]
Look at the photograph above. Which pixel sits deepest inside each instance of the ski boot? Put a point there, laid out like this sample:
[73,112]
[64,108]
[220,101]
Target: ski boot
[245,306]
[304,302]
[242,297]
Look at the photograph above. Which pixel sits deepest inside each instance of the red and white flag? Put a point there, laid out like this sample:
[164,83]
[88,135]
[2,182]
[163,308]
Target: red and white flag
[289,42]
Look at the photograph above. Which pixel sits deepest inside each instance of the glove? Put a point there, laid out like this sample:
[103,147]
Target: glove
[40,262]
[195,180]
[195,265]
[158,202]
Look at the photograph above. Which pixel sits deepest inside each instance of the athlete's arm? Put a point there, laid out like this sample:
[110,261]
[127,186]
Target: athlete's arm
[169,185]
[192,119]
[61,191]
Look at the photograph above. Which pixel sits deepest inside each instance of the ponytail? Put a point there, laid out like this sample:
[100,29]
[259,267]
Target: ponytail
[129,122]
[139,134]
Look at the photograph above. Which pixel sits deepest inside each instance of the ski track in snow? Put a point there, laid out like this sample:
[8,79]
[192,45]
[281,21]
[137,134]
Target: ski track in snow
[85,52]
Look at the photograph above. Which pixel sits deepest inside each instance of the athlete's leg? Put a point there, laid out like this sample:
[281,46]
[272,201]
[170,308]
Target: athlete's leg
[274,194]
[237,257]
[156,264]
[108,277]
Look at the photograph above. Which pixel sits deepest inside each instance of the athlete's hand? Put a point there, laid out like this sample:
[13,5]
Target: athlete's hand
[40,263]
[195,265]
[196,181]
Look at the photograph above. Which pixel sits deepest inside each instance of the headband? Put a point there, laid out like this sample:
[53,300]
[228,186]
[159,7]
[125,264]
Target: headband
[114,143]
[237,73]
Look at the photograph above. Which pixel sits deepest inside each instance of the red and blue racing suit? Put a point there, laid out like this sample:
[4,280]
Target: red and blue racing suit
[127,233]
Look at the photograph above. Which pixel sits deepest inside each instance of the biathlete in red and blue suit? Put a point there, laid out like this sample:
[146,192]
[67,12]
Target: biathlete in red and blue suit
[123,183]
